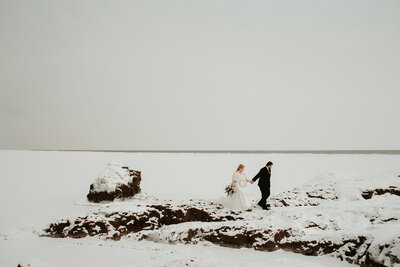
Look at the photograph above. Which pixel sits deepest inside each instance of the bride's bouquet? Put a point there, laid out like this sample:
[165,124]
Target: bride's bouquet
[229,190]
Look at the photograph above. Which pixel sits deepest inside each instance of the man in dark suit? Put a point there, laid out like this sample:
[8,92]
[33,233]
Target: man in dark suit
[264,182]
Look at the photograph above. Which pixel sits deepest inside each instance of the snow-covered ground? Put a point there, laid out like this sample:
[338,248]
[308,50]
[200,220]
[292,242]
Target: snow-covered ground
[42,187]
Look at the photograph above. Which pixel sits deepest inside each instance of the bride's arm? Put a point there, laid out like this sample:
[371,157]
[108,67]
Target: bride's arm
[247,180]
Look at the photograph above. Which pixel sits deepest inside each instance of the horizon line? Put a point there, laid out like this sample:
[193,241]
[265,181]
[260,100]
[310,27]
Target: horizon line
[234,151]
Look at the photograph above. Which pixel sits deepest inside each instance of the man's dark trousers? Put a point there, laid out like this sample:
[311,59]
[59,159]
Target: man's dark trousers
[265,192]
[264,182]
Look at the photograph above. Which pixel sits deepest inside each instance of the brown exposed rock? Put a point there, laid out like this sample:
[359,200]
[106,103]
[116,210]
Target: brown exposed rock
[279,235]
[367,194]
[281,239]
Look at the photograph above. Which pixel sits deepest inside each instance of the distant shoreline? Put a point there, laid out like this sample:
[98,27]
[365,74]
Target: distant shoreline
[384,152]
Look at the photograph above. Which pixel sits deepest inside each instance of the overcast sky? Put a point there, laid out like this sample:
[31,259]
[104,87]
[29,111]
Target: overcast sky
[252,75]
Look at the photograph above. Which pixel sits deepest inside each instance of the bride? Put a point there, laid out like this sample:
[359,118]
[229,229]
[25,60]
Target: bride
[238,200]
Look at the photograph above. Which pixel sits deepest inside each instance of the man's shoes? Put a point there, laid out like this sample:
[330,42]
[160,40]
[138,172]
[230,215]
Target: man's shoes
[262,206]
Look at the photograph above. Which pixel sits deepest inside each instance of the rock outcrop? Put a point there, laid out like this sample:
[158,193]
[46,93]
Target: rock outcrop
[116,224]
[116,181]
[357,220]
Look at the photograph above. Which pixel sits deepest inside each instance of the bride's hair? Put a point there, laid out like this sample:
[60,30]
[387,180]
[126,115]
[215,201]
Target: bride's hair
[239,167]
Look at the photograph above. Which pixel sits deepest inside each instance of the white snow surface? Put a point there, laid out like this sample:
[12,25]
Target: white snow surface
[40,187]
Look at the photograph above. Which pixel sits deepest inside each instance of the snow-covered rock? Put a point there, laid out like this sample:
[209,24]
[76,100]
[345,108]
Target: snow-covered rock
[116,181]
[341,188]
[356,219]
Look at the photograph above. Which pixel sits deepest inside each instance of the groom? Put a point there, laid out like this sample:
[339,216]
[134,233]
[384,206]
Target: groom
[264,183]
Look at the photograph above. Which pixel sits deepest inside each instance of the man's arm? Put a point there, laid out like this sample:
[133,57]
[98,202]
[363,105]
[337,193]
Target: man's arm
[257,176]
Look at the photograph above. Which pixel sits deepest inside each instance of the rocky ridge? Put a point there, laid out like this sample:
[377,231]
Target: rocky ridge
[356,220]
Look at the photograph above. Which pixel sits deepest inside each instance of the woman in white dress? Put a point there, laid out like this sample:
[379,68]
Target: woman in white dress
[238,200]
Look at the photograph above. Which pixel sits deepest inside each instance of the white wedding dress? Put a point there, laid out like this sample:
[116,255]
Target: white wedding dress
[238,200]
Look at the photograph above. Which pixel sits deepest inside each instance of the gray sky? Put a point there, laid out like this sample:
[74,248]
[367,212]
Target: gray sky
[199,74]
